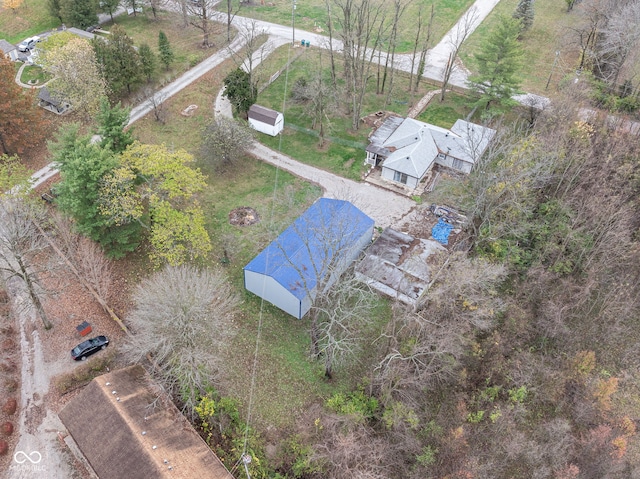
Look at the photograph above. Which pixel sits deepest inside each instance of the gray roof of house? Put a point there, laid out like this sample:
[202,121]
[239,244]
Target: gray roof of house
[45,95]
[6,47]
[411,146]
[262,114]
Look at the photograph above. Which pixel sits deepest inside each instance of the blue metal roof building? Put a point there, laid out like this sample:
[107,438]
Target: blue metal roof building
[313,252]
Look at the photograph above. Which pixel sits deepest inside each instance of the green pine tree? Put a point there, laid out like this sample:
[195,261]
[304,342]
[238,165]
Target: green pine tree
[499,62]
[166,53]
[524,12]
[111,127]
[147,61]
[240,90]
[78,13]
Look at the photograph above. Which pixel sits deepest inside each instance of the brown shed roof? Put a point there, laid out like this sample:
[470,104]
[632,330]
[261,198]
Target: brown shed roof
[265,115]
[121,435]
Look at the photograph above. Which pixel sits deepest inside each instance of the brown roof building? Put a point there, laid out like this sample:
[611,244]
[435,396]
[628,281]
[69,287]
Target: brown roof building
[122,430]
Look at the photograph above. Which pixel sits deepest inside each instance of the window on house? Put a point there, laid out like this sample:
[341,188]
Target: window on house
[442,156]
[458,164]
[400,177]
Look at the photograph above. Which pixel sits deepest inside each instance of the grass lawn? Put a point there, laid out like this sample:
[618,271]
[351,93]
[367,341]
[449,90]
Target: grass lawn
[30,18]
[549,33]
[34,73]
[311,15]
[445,114]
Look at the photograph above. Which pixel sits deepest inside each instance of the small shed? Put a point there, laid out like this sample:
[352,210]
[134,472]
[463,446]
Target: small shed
[315,250]
[265,120]
[9,50]
[46,101]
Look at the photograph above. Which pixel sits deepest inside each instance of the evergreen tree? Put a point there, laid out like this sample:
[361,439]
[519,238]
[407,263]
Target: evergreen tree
[120,62]
[108,6]
[524,12]
[111,124]
[499,61]
[166,53]
[54,9]
[147,61]
[240,90]
[79,13]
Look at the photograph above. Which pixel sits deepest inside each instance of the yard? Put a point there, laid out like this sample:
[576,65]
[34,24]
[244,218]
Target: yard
[343,153]
[549,34]
[311,15]
[30,18]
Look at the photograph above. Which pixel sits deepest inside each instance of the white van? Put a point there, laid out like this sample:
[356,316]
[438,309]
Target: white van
[28,44]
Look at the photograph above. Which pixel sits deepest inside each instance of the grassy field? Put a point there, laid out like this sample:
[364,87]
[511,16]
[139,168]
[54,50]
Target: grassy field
[549,33]
[311,15]
[30,18]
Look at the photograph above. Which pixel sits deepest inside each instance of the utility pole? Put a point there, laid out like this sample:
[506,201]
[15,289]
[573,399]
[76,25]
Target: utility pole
[293,21]
[555,60]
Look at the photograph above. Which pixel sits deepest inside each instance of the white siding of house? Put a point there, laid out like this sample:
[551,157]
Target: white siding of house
[455,164]
[388,174]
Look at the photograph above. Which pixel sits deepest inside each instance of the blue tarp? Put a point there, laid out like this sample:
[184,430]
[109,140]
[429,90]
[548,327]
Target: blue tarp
[441,231]
[297,258]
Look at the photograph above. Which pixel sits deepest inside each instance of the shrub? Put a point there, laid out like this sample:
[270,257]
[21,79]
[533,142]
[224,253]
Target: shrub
[7,428]
[10,406]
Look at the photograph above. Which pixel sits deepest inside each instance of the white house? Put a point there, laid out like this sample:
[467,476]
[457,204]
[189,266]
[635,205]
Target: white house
[406,149]
[265,120]
[315,250]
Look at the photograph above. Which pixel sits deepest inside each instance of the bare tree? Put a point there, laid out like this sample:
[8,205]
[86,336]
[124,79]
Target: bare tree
[200,13]
[182,320]
[321,98]
[225,140]
[231,13]
[20,243]
[343,313]
[359,21]
[255,47]
[324,249]
[463,30]
[156,100]
[424,348]
[331,50]
[85,255]
[421,42]
[399,7]
[619,44]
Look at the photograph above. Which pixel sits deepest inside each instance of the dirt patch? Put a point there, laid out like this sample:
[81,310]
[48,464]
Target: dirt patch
[374,120]
[243,216]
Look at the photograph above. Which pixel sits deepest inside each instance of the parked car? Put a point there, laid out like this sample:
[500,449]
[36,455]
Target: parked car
[28,44]
[86,348]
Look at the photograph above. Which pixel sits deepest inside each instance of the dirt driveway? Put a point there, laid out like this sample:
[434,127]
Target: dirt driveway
[43,356]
